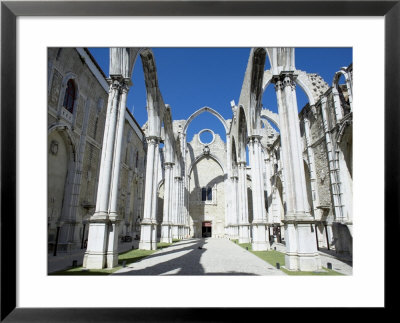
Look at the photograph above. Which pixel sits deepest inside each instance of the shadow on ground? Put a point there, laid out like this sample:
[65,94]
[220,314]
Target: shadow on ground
[186,264]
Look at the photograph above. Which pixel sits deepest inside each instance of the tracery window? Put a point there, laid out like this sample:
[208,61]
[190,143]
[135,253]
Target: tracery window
[69,98]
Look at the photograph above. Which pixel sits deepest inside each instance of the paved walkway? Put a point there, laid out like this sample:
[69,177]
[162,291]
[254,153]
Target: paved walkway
[217,257]
[209,256]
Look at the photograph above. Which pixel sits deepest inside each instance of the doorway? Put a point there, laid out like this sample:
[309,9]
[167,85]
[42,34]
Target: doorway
[206,229]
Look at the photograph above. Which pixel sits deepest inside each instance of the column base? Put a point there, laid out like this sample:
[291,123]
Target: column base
[260,237]
[244,233]
[301,246]
[260,246]
[147,245]
[95,255]
[112,260]
[94,261]
[166,233]
[236,232]
[147,236]
[166,239]
[175,232]
[302,262]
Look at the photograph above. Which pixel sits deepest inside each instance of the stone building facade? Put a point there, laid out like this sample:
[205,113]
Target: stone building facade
[206,186]
[77,107]
[289,184]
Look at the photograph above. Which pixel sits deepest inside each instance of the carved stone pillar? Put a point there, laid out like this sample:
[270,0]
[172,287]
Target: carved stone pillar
[175,206]
[166,234]
[149,224]
[301,248]
[102,249]
[259,224]
[113,227]
[234,217]
[268,175]
[244,225]
[179,208]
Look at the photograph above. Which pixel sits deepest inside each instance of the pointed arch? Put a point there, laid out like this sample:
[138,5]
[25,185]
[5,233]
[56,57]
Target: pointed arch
[270,116]
[200,111]
[200,157]
[65,132]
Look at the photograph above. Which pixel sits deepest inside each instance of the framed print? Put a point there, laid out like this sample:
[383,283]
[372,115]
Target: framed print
[29,28]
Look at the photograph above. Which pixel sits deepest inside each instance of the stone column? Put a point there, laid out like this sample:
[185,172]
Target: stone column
[268,173]
[103,222]
[113,226]
[337,105]
[260,241]
[187,196]
[178,208]
[244,225]
[175,234]
[301,249]
[166,225]
[228,188]
[182,208]
[311,165]
[130,217]
[149,224]
[154,204]
[234,233]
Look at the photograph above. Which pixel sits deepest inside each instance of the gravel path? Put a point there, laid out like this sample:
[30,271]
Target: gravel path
[209,256]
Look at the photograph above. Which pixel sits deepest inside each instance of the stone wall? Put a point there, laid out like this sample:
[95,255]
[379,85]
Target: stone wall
[206,170]
[74,168]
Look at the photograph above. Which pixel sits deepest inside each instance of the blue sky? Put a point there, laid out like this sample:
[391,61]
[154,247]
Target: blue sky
[191,78]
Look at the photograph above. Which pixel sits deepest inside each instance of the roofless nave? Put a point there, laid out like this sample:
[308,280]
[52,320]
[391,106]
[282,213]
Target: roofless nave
[109,176]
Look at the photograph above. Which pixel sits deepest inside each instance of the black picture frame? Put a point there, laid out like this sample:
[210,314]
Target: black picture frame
[10,10]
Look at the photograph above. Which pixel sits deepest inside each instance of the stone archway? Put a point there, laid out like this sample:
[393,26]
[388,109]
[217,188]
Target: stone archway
[199,112]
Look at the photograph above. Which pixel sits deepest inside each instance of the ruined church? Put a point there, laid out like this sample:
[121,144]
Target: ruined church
[111,180]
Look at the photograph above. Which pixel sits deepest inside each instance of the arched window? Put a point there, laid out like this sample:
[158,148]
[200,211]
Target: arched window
[203,193]
[206,194]
[209,193]
[69,97]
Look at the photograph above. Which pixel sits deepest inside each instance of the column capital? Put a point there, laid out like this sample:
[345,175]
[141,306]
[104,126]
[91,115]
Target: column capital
[255,138]
[169,165]
[117,82]
[285,78]
[153,140]
[125,87]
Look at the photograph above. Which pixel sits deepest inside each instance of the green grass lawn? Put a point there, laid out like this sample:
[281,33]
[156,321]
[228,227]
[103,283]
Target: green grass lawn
[130,256]
[273,257]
